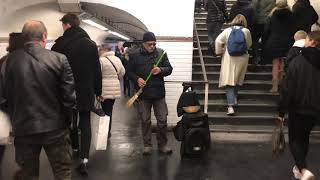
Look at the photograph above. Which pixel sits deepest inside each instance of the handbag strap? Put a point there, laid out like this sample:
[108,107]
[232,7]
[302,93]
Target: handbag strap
[114,67]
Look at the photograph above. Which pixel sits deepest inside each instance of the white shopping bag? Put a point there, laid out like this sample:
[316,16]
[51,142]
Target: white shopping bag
[99,131]
[5,128]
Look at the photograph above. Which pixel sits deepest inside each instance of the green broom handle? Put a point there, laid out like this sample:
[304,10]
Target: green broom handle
[156,65]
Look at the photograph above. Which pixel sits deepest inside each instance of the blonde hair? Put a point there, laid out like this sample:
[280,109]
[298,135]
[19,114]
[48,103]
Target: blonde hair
[300,35]
[282,4]
[239,20]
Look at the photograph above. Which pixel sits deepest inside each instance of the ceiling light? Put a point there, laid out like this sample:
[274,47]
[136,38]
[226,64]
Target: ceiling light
[119,35]
[92,23]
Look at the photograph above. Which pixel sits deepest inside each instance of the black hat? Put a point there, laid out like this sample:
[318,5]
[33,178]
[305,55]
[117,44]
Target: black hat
[149,36]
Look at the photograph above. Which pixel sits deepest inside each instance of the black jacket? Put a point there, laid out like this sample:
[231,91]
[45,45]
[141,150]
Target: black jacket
[82,54]
[301,86]
[39,89]
[245,8]
[216,11]
[293,52]
[305,15]
[279,34]
[140,64]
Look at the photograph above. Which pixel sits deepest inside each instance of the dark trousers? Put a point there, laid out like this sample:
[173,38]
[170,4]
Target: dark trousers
[85,134]
[300,127]
[161,113]
[2,148]
[107,106]
[257,33]
[126,85]
[214,29]
[57,147]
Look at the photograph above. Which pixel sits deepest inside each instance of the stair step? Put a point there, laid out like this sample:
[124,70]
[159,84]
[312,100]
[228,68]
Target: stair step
[242,118]
[220,105]
[216,67]
[248,85]
[198,75]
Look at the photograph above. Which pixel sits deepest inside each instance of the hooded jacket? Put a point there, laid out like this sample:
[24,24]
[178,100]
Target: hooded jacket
[82,54]
[262,8]
[301,86]
[245,8]
[304,14]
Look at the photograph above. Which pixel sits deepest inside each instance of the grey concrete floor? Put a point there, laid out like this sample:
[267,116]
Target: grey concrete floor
[245,158]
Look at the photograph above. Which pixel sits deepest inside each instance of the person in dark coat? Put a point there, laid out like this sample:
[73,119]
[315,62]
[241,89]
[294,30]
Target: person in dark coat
[216,17]
[140,65]
[16,41]
[40,93]
[262,9]
[279,39]
[299,38]
[245,8]
[300,97]
[82,53]
[304,14]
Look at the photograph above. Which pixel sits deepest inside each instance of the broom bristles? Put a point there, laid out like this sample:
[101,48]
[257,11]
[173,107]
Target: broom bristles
[132,100]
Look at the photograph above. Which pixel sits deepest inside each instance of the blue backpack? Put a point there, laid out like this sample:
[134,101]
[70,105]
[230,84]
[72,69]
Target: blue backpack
[237,44]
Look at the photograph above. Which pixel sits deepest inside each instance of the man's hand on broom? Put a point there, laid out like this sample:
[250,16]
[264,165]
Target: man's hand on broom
[141,82]
[156,70]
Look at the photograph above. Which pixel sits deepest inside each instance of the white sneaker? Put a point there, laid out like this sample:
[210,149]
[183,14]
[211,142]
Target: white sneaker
[307,175]
[230,111]
[297,174]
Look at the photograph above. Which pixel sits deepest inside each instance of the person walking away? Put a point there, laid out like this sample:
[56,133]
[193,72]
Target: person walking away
[112,72]
[262,9]
[216,17]
[279,39]
[82,53]
[295,50]
[16,41]
[141,63]
[233,67]
[299,96]
[126,81]
[40,107]
[304,14]
[245,8]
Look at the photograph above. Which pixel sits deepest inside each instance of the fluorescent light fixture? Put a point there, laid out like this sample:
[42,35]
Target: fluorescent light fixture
[119,35]
[92,23]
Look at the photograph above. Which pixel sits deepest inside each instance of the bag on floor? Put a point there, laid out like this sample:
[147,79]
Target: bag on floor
[278,139]
[5,128]
[99,131]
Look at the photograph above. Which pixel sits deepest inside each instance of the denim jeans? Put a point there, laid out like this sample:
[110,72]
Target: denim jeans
[232,93]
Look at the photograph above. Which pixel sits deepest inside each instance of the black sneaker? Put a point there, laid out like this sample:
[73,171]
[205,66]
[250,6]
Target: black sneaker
[83,169]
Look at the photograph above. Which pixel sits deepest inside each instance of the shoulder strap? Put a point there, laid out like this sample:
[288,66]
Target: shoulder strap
[113,66]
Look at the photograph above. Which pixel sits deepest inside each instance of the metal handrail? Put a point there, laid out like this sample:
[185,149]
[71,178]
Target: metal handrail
[204,72]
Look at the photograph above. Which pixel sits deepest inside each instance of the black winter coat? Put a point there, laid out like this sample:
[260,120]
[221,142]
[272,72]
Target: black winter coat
[293,52]
[301,86]
[216,11]
[140,65]
[305,15]
[39,89]
[245,8]
[82,54]
[278,35]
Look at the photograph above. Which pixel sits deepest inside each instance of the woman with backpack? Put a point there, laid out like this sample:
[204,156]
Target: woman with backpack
[279,32]
[233,44]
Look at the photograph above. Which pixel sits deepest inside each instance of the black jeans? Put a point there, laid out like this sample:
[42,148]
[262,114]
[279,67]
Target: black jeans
[85,134]
[2,148]
[57,145]
[214,29]
[257,33]
[300,127]
[107,106]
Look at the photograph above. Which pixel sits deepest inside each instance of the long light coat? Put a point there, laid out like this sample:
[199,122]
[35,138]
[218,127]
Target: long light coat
[233,68]
[110,78]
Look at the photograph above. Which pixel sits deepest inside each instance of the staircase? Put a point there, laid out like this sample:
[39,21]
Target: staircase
[256,109]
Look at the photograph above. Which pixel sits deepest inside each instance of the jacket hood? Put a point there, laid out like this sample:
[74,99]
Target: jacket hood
[71,34]
[282,13]
[312,55]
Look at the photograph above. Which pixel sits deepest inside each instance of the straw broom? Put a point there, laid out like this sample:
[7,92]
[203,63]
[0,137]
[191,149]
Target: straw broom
[136,96]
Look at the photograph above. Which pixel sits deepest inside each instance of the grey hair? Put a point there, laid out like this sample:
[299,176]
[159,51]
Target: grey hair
[33,30]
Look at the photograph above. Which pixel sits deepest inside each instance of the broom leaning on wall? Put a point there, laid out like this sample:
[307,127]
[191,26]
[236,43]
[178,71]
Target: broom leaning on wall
[137,94]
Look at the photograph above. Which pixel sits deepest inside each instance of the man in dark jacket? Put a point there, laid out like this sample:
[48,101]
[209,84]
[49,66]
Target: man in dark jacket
[217,15]
[39,89]
[301,98]
[83,56]
[245,8]
[304,14]
[140,65]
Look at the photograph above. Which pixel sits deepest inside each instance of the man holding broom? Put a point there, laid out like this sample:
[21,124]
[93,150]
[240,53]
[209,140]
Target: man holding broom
[147,67]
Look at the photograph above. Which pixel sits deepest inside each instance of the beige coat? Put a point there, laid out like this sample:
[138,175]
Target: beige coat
[110,82]
[233,68]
